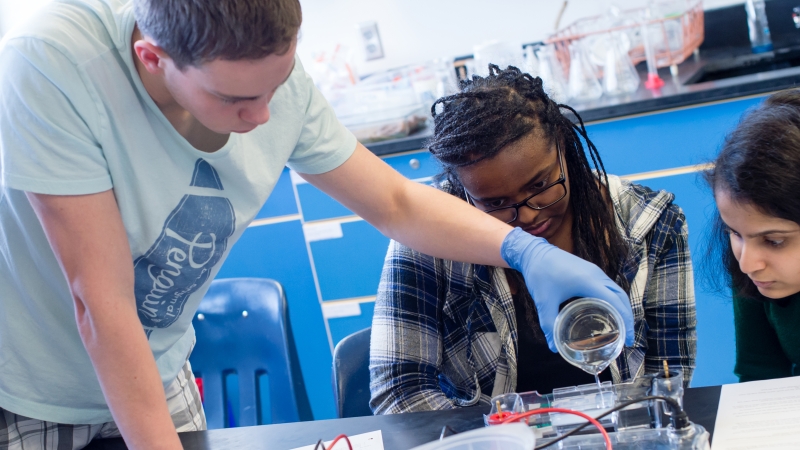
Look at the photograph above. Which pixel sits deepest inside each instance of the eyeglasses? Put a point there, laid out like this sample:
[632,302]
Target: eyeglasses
[543,198]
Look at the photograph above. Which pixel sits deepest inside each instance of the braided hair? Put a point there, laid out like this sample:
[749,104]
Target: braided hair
[489,113]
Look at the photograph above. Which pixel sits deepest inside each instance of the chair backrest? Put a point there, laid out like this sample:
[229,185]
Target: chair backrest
[241,328]
[351,375]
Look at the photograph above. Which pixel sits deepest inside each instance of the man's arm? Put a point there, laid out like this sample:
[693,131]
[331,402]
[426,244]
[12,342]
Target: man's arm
[419,216]
[440,225]
[89,240]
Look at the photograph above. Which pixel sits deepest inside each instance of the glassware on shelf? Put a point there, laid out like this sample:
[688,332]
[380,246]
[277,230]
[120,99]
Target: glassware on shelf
[619,74]
[550,70]
[502,53]
[760,40]
[531,61]
[653,80]
[583,84]
[674,29]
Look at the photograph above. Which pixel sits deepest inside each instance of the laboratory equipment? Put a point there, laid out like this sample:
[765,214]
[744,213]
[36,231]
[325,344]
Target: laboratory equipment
[630,415]
[583,83]
[503,406]
[760,40]
[589,334]
[386,105]
[675,30]
[694,437]
[531,61]
[619,75]
[515,436]
[551,73]
[667,383]
[501,53]
[796,16]
[653,80]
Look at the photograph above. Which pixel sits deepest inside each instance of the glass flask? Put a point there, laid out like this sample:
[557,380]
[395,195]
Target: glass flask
[619,75]
[583,84]
[550,70]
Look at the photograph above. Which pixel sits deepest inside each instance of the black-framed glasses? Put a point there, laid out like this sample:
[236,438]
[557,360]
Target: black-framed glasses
[543,198]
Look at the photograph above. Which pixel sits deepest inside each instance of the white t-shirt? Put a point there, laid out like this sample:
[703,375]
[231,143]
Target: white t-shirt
[76,119]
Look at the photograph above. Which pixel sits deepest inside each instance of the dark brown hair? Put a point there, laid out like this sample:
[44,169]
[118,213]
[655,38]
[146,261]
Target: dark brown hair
[488,113]
[759,165]
[196,31]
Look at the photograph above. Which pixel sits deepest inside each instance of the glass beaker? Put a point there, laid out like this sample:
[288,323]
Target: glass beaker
[589,334]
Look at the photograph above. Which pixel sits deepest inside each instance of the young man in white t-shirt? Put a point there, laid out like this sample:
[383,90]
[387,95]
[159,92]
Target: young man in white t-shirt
[137,141]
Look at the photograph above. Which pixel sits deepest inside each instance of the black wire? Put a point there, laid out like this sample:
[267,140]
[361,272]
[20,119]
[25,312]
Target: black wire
[676,408]
[319,444]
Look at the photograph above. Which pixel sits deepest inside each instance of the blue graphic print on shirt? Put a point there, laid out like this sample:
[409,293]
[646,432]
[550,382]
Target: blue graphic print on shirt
[194,238]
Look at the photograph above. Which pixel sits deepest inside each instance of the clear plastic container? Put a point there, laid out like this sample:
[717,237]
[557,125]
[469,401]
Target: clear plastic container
[503,406]
[514,436]
[646,423]
[387,105]
[385,124]
[639,415]
[693,438]
[667,386]
[588,399]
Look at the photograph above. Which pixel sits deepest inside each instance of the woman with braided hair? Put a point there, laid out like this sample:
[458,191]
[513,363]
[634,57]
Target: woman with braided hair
[448,334]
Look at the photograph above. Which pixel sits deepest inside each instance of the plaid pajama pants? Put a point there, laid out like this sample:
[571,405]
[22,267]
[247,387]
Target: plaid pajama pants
[23,433]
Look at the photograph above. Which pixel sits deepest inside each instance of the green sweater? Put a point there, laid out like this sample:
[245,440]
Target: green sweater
[767,339]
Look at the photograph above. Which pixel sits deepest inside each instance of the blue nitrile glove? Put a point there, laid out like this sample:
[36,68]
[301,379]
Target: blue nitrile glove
[554,276]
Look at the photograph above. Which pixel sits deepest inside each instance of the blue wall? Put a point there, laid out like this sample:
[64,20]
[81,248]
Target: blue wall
[331,279]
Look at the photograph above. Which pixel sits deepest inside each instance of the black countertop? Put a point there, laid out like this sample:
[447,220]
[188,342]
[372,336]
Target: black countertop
[726,43]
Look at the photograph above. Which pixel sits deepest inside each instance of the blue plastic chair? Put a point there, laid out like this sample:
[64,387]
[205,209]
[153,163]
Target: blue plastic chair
[351,375]
[241,328]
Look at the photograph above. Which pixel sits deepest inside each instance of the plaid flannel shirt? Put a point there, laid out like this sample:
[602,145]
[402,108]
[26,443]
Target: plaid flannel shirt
[444,333]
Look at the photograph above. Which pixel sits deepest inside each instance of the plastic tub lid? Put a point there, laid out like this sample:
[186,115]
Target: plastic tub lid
[513,436]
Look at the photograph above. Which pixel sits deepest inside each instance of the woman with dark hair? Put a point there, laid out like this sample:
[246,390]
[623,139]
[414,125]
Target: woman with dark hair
[448,334]
[756,181]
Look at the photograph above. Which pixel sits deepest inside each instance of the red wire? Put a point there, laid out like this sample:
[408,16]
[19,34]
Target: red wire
[592,420]
[336,439]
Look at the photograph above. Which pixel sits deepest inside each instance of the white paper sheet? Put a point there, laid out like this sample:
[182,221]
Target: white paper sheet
[366,441]
[759,414]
